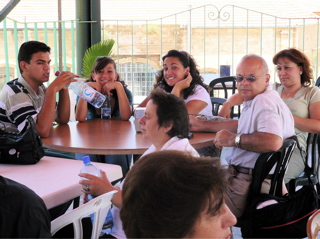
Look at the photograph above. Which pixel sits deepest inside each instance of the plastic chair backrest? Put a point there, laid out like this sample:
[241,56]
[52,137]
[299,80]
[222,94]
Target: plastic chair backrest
[99,205]
[223,83]
[216,103]
[313,153]
[317,82]
[312,158]
[313,225]
[266,162]
[226,84]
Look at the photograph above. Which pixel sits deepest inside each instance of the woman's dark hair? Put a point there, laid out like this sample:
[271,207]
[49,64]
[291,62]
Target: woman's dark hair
[171,110]
[165,193]
[187,60]
[100,63]
[300,59]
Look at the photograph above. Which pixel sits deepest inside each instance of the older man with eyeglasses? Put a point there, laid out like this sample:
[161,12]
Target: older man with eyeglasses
[264,123]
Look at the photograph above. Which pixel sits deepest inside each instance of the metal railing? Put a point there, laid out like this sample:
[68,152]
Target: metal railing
[215,37]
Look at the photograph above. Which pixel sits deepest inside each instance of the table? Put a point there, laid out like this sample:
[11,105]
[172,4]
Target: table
[55,180]
[107,137]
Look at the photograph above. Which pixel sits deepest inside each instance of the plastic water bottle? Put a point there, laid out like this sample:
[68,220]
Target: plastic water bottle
[86,92]
[90,168]
[106,109]
[93,169]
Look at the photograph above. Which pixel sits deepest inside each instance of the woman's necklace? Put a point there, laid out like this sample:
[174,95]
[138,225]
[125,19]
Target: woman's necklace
[292,93]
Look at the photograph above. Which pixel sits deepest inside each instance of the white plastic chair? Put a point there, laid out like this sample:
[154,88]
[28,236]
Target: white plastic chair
[313,225]
[99,205]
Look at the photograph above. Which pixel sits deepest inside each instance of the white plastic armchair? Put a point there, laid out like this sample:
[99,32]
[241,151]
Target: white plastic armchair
[313,225]
[99,205]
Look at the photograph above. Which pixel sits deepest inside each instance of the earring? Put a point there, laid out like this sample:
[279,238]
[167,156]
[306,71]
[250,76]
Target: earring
[300,73]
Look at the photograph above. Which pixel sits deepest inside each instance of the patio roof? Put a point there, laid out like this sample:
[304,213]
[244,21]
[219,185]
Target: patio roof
[47,10]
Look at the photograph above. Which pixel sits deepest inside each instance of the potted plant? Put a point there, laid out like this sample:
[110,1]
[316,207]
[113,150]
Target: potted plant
[103,48]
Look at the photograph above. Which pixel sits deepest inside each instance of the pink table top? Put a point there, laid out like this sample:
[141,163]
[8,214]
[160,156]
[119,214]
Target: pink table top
[55,180]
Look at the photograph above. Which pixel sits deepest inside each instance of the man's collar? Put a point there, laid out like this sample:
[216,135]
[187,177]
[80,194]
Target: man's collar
[27,86]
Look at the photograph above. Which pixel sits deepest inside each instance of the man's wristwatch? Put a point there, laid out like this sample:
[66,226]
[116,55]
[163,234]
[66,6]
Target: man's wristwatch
[237,140]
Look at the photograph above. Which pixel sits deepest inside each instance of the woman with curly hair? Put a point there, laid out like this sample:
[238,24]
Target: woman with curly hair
[181,77]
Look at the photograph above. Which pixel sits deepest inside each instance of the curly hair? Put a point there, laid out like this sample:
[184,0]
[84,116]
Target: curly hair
[187,61]
[300,59]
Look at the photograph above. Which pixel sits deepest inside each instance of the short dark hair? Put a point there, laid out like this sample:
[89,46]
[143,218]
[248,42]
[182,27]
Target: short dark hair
[171,109]
[165,193]
[187,61]
[300,59]
[27,49]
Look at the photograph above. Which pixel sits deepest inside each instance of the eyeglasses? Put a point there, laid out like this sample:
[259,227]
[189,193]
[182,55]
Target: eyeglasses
[249,78]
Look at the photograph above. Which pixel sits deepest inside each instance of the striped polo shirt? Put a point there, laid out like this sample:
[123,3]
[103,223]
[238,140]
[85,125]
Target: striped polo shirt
[17,101]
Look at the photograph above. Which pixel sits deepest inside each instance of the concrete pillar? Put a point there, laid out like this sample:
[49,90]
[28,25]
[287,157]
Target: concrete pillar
[87,33]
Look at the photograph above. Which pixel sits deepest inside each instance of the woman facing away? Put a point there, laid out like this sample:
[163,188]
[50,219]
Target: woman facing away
[171,194]
[295,74]
[105,79]
[181,77]
[166,125]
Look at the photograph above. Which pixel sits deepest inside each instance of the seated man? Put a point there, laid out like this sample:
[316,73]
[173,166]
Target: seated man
[27,95]
[23,213]
[172,194]
[264,123]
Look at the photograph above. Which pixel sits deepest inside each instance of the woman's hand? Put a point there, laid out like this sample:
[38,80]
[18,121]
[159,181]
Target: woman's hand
[109,86]
[95,185]
[185,83]
[95,85]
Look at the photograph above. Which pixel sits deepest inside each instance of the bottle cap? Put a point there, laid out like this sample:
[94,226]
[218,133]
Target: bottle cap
[57,73]
[86,159]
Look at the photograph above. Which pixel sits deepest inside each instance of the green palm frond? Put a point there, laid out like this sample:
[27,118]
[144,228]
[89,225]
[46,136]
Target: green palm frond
[103,48]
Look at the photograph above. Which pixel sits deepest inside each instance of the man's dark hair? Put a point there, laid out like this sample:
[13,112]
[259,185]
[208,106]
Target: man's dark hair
[27,49]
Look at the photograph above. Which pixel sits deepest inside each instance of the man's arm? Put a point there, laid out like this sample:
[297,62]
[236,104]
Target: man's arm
[212,125]
[233,100]
[46,116]
[259,142]
[63,107]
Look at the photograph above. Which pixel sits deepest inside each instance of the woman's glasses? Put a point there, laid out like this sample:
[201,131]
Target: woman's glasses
[249,78]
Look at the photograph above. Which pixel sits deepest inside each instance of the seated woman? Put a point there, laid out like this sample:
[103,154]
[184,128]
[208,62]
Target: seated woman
[105,79]
[303,100]
[171,194]
[181,77]
[166,126]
